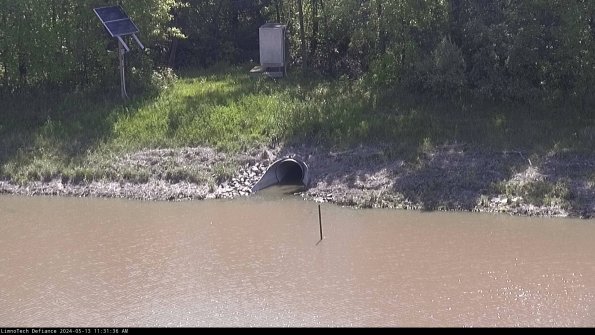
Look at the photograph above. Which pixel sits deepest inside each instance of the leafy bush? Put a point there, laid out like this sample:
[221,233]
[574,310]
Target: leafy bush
[442,74]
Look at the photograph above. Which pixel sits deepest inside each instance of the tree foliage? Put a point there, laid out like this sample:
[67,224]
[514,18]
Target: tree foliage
[492,49]
[62,43]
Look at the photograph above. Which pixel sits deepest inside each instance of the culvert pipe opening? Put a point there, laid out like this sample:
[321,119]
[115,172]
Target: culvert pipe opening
[289,172]
[286,171]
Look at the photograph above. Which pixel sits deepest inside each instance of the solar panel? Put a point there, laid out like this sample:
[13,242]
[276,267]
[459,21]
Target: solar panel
[110,13]
[116,21]
[121,27]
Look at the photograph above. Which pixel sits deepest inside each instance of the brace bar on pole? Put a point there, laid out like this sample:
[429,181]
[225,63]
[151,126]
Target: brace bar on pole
[123,43]
[138,41]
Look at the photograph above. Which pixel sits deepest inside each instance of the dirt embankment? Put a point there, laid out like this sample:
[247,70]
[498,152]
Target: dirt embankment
[447,178]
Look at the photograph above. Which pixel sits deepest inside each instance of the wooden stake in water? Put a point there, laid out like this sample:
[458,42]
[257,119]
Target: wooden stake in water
[320,222]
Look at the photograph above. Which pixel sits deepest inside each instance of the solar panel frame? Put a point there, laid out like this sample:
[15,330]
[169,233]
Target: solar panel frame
[116,21]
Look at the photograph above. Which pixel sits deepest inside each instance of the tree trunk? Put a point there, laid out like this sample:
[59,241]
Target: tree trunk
[302,35]
[314,36]
[173,47]
[380,33]
[3,54]
[5,74]
[171,62]
[455,29]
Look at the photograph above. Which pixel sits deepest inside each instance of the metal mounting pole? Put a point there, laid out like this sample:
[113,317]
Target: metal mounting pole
[121,52]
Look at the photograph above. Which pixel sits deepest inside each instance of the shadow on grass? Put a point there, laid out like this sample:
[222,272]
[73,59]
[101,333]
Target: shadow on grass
[57,128]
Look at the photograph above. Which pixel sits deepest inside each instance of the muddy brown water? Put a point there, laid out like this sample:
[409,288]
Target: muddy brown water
[256,262]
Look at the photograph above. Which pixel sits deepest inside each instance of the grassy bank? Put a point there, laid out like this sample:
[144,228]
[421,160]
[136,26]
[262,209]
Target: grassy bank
[73,135]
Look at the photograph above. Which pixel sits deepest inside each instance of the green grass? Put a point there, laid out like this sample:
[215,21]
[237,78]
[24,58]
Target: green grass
[74,134]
